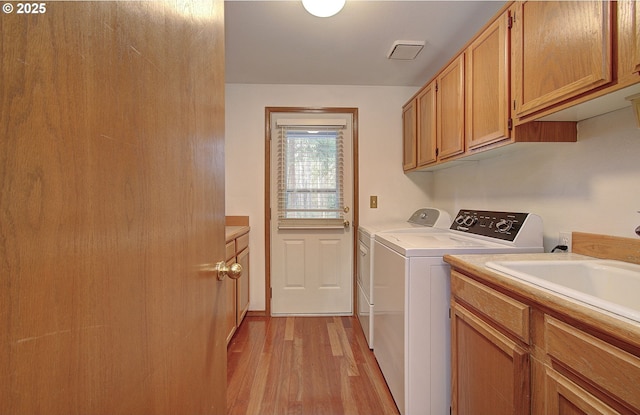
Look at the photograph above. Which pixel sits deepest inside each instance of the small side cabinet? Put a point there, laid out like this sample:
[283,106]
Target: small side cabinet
[237,291]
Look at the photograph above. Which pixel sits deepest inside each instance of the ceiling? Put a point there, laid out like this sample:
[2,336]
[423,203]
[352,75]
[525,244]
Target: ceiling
[278,42]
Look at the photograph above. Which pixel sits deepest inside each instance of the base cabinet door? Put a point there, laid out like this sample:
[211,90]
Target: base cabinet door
[242,287]
[564,397]
[230,310]
[490,371]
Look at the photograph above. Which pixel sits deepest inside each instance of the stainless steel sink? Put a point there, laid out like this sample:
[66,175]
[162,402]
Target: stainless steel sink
[610,285]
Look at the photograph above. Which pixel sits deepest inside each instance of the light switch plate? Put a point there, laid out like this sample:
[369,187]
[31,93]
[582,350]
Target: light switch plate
[373,202]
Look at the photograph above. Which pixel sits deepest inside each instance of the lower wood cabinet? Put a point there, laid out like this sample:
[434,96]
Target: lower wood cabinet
[513,357]
[562,396]
[237,291]
[242,286]
[490,369]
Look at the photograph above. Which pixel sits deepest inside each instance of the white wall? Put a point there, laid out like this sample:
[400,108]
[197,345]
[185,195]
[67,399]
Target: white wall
[379,146]
[589,186]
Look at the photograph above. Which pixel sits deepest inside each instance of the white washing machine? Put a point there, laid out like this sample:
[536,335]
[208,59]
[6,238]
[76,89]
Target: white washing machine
[412,289]
[425,219]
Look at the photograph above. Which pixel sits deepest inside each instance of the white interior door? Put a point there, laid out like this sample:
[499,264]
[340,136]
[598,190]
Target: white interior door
[312,242]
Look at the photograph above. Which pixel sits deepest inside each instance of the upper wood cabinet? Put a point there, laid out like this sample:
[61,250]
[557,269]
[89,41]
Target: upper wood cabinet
[409,136]
[426,123]
[450,110]
[628,42]
[487,86]
[560,49]
[439,108]
[634,32]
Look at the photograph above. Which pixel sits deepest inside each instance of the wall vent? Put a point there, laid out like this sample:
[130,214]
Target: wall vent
[405,49]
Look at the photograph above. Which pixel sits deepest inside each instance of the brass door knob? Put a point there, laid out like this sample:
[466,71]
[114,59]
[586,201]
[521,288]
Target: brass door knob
[221,270]
[233,271]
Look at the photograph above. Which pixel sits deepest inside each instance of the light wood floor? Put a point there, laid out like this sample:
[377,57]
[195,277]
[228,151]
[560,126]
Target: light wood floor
[304,365]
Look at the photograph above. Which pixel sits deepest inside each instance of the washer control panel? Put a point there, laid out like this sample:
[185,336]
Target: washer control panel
[499,225]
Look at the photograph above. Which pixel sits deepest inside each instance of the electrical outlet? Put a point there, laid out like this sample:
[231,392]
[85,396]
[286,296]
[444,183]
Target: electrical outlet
[373,202]
[564,238]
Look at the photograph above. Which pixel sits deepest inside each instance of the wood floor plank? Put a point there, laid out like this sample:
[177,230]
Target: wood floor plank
[347,347]
[302,366]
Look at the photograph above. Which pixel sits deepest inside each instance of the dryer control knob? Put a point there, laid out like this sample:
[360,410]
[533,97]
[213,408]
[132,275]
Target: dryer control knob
[470,220]
[504,225]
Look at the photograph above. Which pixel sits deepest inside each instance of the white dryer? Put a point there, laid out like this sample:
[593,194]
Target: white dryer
[412,290]
[425,219]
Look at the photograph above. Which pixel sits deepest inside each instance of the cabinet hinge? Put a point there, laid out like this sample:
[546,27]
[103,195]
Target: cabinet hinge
[510,20]
[514,104]
[436,87]
[270,292]
[510,124]
[437,152]
[449,313]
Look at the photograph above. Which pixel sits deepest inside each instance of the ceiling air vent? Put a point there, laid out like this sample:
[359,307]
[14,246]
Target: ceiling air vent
[405,49]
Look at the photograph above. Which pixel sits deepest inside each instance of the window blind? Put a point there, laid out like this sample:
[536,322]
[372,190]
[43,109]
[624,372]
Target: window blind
[310,173]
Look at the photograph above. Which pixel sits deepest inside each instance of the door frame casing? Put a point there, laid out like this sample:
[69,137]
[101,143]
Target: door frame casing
[267,191]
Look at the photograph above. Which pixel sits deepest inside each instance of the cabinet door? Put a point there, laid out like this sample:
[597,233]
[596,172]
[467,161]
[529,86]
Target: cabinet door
[450,110]
[242,287]
[490,372]
[230,309]
[487,84]
[427,145]
[564,397]
[628,42]
[613,371]
[636,36]
[560,50]
[409,136]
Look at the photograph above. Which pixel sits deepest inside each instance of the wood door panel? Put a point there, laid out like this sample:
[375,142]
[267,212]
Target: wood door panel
[426,123]
[409,142]
[450,115]
[628,19]
[563,397]
[491,372]
[571,40]
[111,170]
[487,92]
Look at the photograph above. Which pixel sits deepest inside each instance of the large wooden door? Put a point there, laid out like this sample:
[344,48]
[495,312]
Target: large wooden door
[111,197]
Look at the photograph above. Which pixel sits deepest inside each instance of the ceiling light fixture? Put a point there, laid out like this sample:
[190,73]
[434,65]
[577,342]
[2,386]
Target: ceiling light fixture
[323,8]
